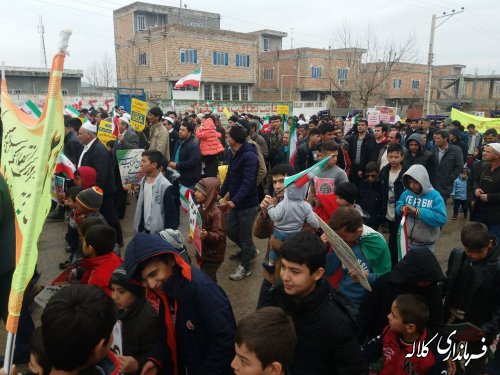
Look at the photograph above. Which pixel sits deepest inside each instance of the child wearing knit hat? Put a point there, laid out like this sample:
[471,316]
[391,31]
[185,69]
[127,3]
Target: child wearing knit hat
[139,321]
[88,202]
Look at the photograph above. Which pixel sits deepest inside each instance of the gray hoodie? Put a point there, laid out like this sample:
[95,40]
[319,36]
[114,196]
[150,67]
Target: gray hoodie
[293,211]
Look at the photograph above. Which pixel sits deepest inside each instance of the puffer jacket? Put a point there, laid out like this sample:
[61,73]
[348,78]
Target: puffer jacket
[212,217]
[209,138]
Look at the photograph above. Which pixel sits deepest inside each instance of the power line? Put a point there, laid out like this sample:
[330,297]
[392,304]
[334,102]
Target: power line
[72,8]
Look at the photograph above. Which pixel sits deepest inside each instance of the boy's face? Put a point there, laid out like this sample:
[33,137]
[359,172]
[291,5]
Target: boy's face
[341,202]
[414,146]
[315,138]
[333,161]
[395,320]
[82,209]
[414,186]
[349,237]
[395,158]
[200,197]
[123,298]
[146,165]
[464,175]
[155,274]
[245,362]
[70,203]
[297,278]
[279,184]
[478,255]
[372,176]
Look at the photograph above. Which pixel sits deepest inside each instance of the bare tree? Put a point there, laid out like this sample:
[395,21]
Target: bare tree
[101,73]
[370,63]
[92,75]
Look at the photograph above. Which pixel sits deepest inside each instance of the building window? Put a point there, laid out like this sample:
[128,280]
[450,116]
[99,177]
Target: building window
[221,58]
[196,24]
[316,71]
[217,93]
[65,92]
[244,93]
[207,92]
[415,84]
[142,58]
[268,74]
[265,41]
[161,19]
[497,88]
[14,91]
[141,23]
[396,83]
[243,60]
[235,93]
[342,74]
[226,92]
[189,56]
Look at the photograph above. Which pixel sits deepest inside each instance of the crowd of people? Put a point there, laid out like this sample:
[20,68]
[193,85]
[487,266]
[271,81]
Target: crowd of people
[315,314]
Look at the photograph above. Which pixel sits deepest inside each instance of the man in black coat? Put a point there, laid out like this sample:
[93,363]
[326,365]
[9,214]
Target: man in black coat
[97,156]
[326,340]
[361,145]
[187,156]
[72,145]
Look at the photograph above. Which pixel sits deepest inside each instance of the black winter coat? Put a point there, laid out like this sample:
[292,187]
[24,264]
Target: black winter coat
[72,147]
[189,162]
[384,183]
[99,158]
[367,153]
[326,342]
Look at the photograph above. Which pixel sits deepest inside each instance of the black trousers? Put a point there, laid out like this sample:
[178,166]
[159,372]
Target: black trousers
[393,227]
[109,212]
[211,165]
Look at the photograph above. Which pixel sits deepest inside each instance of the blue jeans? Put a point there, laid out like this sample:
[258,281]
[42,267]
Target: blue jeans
[239,224]
[420,247]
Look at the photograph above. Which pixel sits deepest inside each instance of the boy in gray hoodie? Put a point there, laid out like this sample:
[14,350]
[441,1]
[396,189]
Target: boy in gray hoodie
[288,216]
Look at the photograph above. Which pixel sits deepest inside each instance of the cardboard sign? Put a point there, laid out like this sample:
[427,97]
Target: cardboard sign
[387,114]
[129,164]
[105,132]
[138,112]
[195,224]
[373,118]
[345,254]
[282,109]
[57,187]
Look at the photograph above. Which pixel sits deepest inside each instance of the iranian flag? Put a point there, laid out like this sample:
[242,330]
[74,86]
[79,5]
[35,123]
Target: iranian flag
[292,144]
[266,126]
[78,103]
[71,111]
[402,238]
[185,194]
[302,178]
[64,165]
[193,79]
[31,109]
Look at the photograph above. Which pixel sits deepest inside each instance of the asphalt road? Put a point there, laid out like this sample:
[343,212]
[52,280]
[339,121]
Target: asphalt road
[243,294]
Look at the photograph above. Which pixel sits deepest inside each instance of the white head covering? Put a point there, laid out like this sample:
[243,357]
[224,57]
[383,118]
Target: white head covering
[89,127]
[126,115]
[495,146]
[169,119]
[125,120]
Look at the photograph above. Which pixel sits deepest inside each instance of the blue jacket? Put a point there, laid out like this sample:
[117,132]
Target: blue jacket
[188,161]
[459,189]
[424,226]
[204,324]
[241,178]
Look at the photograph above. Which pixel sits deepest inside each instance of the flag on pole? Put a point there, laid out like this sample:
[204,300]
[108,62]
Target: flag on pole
[78,103]
[292,144]
[29,153]
[64,165]
[185,194]
[71,111]
[402,238]
[302,178]
[31,109]
[193,79]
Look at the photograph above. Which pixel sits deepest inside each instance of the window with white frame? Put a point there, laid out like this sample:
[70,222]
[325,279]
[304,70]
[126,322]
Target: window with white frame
[235,92]
[268,74]
[217,92]
[342,74]
[141,22]
[244,93]
[415,84]
[207,88]
[497,88]
[242,60]
[189,56]
[226,92]
[142,58]
[221,58]
[316,71]
[396,83]
[265,42]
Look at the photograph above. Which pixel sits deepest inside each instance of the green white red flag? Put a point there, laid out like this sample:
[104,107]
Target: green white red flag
[64,165]
[31,109]
[292,144]
[302,178]
[192,79]
[402,238]
[185,194]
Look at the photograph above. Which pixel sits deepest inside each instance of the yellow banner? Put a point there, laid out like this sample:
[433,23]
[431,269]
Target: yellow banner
[105,132]
[481,123]
[282,109]
[226,112]
[138,112]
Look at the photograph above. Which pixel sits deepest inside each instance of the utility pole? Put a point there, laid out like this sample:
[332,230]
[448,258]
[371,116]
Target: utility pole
[430,57]
[41,30]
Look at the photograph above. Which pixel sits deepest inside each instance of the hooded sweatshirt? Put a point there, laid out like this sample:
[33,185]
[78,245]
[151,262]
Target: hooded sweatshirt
[423,156]
[290,214]
[88,176]
[423,227]
[214,245]
[196,319]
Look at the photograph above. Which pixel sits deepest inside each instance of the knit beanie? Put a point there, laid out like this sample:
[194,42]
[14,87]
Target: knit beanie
[238,133]
[347,191]
[119,278]
[200,186]
[90,198]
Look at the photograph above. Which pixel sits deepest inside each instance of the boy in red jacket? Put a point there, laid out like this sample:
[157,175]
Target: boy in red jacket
[100,260]
[398,343]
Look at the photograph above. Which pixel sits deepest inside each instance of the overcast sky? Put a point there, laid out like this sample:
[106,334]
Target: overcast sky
[471,38]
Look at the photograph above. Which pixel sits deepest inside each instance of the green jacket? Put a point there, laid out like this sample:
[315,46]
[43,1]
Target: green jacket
[375,248]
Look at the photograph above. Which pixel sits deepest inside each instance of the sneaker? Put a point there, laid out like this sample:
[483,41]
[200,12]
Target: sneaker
[269,267]
[240,273]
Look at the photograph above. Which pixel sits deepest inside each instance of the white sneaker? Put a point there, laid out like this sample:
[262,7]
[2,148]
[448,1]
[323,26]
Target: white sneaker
[240,273]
